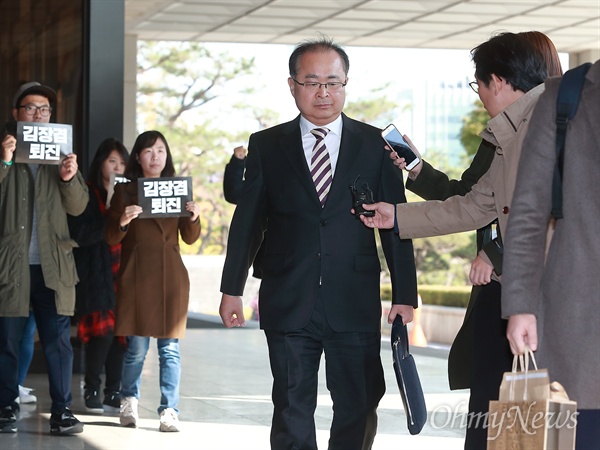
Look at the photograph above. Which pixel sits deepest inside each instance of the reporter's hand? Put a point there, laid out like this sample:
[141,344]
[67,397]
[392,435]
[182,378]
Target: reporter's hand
[400,162]
[481,272]
[384,215]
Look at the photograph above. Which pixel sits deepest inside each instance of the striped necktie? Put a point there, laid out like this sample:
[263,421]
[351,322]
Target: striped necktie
[320,165]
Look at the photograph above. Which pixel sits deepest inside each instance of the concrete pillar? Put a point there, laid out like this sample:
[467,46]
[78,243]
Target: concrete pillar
[576,59]
[130,131]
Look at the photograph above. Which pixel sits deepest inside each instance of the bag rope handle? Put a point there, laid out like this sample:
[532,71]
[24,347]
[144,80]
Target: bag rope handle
[523,361]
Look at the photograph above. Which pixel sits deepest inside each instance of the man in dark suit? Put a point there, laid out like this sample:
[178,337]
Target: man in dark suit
[320,271]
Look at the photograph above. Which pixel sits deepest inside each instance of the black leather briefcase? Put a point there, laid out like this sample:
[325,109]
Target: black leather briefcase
[408,379]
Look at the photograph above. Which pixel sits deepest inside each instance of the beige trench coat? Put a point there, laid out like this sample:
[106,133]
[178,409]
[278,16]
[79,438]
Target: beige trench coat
[152,283]
[492,195]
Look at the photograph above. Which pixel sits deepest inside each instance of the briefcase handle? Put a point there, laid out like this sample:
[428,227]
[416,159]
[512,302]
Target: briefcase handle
[400,335]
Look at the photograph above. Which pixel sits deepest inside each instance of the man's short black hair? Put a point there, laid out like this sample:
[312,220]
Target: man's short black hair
[322,44]
[511,57]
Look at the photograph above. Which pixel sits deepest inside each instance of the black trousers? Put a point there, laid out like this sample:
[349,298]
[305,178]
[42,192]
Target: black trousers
[354,379]
[491,358]
[104,352]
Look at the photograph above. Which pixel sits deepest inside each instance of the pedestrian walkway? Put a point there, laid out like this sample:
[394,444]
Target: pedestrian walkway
[225,402]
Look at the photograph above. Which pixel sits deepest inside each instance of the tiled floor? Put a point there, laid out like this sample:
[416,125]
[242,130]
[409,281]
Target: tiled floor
[225,403]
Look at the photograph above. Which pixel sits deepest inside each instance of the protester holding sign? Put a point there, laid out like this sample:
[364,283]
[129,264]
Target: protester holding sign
[152,283]
[97,266]
[36,262]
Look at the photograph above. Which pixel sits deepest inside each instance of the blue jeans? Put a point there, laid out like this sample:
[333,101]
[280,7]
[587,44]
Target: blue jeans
[170,369]
[26,348]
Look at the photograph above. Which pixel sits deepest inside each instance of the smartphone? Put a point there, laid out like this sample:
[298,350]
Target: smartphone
[395,141]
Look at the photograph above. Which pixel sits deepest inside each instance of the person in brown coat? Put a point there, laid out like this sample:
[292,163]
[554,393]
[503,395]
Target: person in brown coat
[152,284]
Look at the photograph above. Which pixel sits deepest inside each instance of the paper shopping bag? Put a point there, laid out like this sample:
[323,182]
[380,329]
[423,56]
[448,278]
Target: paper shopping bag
[531,413]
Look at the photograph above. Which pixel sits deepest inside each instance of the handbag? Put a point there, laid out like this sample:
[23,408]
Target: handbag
[531,412]
[407,377]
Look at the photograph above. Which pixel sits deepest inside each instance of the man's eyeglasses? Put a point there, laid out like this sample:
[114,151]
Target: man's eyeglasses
[30,110]
[474,86]
[313,86]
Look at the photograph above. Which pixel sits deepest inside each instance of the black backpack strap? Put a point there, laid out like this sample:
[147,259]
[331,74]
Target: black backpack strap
[567,101]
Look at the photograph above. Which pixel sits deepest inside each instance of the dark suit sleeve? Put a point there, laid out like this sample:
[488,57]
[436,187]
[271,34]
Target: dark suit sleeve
[247,226]
[398,252]
[233,179]
[432,184]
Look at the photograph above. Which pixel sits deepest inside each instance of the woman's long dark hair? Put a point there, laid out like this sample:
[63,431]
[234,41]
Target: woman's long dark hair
[105,148]
[133,170]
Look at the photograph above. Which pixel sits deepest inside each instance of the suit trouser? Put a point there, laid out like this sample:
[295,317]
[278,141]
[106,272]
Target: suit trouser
[491,358]
[55,336]
[354,377]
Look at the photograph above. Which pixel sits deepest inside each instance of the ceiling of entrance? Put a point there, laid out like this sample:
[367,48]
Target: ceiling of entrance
[573,25]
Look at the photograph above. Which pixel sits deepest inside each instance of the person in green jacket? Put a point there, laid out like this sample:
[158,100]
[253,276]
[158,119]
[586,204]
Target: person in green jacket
[37,267]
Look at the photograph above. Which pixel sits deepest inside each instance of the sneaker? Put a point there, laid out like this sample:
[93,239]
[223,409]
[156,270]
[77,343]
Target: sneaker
[64,422]
[129,412]
[169,420]
[8,419]
[92,402]
[25,395]
[112,402]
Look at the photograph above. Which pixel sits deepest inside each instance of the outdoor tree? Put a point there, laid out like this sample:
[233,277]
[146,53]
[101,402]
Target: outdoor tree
[183,76]
[473,124]
[176,80]
[377,109]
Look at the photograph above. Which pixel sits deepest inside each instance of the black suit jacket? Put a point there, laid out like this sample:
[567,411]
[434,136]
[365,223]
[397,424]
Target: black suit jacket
[310,246]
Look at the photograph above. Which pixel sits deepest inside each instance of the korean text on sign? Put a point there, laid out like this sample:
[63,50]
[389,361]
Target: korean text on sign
[45,141]
[164,197]
[165,188]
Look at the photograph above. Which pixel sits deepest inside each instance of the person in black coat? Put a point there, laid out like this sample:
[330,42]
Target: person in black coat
[233,182]
[97,264]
